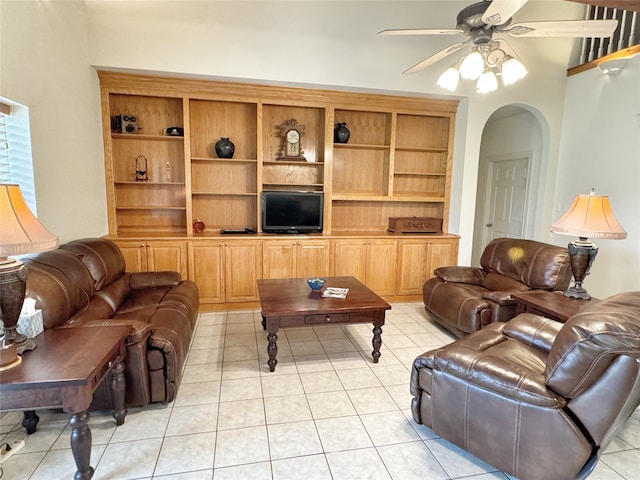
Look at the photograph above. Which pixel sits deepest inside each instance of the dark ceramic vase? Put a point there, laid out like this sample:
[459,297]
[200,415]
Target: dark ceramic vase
[341,133]
[225,148]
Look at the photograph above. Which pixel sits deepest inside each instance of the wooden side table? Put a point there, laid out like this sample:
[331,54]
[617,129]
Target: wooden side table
[63,372]
[552,305]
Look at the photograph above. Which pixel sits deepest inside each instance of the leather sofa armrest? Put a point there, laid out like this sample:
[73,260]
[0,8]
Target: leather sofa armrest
[140,280]
[534,330]
[139,332]
[471,275]
[501,297]
[496,374]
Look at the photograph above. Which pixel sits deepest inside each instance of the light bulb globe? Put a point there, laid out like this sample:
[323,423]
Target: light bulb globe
[487,82]
[449,79]
[472,66]
[512,71]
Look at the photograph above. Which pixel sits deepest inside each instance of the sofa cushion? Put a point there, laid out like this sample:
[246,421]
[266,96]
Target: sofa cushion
[591,340]
[60,284]
[102,257]
[535,264]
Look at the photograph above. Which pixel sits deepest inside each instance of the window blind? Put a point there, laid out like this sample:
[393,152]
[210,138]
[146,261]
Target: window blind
[16,163]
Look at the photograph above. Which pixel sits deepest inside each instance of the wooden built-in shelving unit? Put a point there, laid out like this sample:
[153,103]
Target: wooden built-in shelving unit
[397,163]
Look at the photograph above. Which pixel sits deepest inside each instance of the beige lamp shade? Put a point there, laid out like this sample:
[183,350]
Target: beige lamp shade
[20,231]
[590,216]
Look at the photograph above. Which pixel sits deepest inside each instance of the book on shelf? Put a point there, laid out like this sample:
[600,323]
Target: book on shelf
[335,292]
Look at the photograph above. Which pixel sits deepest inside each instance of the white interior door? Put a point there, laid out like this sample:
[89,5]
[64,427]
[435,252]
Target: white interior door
[507,198]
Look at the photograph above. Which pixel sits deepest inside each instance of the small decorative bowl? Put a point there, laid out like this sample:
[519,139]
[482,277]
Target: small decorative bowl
[315,283]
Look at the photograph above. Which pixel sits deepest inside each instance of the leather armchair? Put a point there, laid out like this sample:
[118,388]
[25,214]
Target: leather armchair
[466,299]
[536,398]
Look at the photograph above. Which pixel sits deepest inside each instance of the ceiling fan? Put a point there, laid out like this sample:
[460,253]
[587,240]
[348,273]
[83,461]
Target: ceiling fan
[481,21]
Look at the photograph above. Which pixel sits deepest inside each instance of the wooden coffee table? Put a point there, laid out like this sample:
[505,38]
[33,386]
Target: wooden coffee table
[289,302]
[63,372]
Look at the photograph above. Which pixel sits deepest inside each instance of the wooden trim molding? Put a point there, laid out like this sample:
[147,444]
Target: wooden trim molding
[627,52]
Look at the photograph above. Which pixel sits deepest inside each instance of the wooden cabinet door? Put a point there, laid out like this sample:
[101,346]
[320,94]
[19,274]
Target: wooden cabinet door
[412,266]
[279,259]
[134,253]
[350,259]
[242,268]
[167,255]
[417,259]
[206,269]
[312,258]
[381,266]
[442,253]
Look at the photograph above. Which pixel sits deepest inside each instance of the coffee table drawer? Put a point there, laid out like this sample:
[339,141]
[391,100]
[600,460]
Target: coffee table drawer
[327,318]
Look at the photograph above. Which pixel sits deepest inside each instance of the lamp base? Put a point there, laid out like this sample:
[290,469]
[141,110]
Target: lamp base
[13,278]
[582,253]
[9,357]
[577,291]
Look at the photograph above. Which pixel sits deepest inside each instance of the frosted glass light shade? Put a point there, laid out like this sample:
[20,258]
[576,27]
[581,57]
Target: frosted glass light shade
[449,79]
[472,66]
[487,82]
[512,71]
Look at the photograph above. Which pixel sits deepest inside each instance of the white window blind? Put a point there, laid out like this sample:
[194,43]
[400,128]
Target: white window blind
[16,164]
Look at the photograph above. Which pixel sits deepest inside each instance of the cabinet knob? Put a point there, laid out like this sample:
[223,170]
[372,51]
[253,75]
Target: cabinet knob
[328,318]
[142,245]
[489,225]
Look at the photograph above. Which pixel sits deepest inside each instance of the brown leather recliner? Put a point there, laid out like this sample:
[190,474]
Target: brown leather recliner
[536,398]
[84,283]
[465,299]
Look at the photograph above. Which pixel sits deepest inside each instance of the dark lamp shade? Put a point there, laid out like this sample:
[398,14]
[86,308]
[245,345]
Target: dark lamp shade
[21,232]
[590,216]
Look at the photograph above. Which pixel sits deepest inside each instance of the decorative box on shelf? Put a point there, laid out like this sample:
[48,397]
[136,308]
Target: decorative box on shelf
[415,225]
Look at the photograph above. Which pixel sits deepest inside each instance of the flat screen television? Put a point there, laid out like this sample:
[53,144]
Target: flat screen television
[292,211]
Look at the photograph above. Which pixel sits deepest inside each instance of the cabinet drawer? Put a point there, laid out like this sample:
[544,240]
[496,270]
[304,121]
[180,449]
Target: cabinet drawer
[327,318]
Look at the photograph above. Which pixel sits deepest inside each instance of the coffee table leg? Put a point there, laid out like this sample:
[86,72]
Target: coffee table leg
[272,350]
[117,391]
[376,342]
[81,445]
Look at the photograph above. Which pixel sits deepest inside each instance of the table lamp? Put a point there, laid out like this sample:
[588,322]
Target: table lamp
[588,216]
[20,233]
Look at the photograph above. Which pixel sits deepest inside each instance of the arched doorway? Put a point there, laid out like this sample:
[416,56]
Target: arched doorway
[513,159]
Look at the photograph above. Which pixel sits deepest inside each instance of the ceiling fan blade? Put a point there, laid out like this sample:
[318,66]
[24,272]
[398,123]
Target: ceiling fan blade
[435,57]
[564,28]
[421,31]
[500,11]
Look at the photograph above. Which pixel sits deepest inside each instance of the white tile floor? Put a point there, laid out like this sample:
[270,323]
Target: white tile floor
[327,412]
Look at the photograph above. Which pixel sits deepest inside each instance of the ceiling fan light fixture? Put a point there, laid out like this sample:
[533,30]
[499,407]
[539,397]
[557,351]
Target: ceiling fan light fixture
[449,79]
[472,66]
[512,70]
[487,82]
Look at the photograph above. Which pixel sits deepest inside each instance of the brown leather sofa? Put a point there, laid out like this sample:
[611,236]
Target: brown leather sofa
[466,299]
[536,398]
[84,283]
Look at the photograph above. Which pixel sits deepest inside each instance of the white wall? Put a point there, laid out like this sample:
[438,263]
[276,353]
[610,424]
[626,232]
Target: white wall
[512,132]
[313,42]
[601,148]
[45,66]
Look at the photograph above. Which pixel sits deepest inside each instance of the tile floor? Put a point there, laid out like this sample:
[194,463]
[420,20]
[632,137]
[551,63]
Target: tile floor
[327,412]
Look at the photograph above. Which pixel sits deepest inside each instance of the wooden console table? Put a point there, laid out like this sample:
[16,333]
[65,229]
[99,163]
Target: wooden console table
[63,372]
[289,302]
[552,305]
